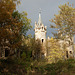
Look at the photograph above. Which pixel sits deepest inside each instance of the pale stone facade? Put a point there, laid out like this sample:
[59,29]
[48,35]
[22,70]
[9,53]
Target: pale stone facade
[40,30]
[69,49]
[40,33]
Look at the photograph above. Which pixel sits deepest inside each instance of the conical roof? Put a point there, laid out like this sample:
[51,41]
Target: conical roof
[40,20]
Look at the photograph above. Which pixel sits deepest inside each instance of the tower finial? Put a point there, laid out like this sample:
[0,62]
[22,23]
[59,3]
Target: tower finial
[40,11]
[40,21]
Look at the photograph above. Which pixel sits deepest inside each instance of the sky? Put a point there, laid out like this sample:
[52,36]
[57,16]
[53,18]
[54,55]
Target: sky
[48,9]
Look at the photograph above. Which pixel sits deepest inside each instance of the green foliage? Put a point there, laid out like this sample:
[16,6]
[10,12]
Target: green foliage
[66,67]
[64,21]
[9,27]
[23,55]
[36,48]
[18,67]
[22,17]
[12,26]
[55,51]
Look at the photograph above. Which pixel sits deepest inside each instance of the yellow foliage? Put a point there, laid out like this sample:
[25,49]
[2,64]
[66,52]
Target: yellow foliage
[55,51]
[65,21]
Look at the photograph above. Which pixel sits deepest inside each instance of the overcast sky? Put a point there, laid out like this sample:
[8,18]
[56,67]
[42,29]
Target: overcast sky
[48,7]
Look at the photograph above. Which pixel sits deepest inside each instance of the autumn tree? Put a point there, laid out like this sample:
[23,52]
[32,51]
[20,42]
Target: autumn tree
[22,17]
[55,52]
[11,25]
[64,21]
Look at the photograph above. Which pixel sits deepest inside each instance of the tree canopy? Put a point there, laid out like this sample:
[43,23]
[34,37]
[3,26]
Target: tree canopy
[56,53]
[12,24]
[64,21]
[22,17]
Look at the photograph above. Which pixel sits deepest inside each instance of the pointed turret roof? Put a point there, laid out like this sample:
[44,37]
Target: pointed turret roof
[40,20]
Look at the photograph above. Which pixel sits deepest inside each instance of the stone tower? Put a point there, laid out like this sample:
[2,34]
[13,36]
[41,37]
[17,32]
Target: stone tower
[40,33]
[40,30]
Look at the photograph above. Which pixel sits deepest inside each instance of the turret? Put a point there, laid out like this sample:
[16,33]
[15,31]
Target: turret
[40,33]
[40,30]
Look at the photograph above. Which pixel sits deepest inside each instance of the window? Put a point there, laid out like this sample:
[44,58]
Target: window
[70,52]
[42,40]
[42,28]
[7,52]
[67,54]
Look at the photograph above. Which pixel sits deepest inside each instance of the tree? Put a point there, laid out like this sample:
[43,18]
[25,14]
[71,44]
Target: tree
[65,21]
[10,26]
[36,48]
[22,17]
[56,53]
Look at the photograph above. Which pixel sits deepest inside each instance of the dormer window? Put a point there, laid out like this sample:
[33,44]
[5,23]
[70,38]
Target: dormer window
[42,28]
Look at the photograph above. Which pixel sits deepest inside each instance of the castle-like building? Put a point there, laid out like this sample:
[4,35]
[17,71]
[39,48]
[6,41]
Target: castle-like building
[40,33]
[40,30]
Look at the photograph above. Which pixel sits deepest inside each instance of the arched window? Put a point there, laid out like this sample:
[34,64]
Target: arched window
[42,40]
[70,52]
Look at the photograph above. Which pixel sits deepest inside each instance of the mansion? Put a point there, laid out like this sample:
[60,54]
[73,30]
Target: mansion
[40,33]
